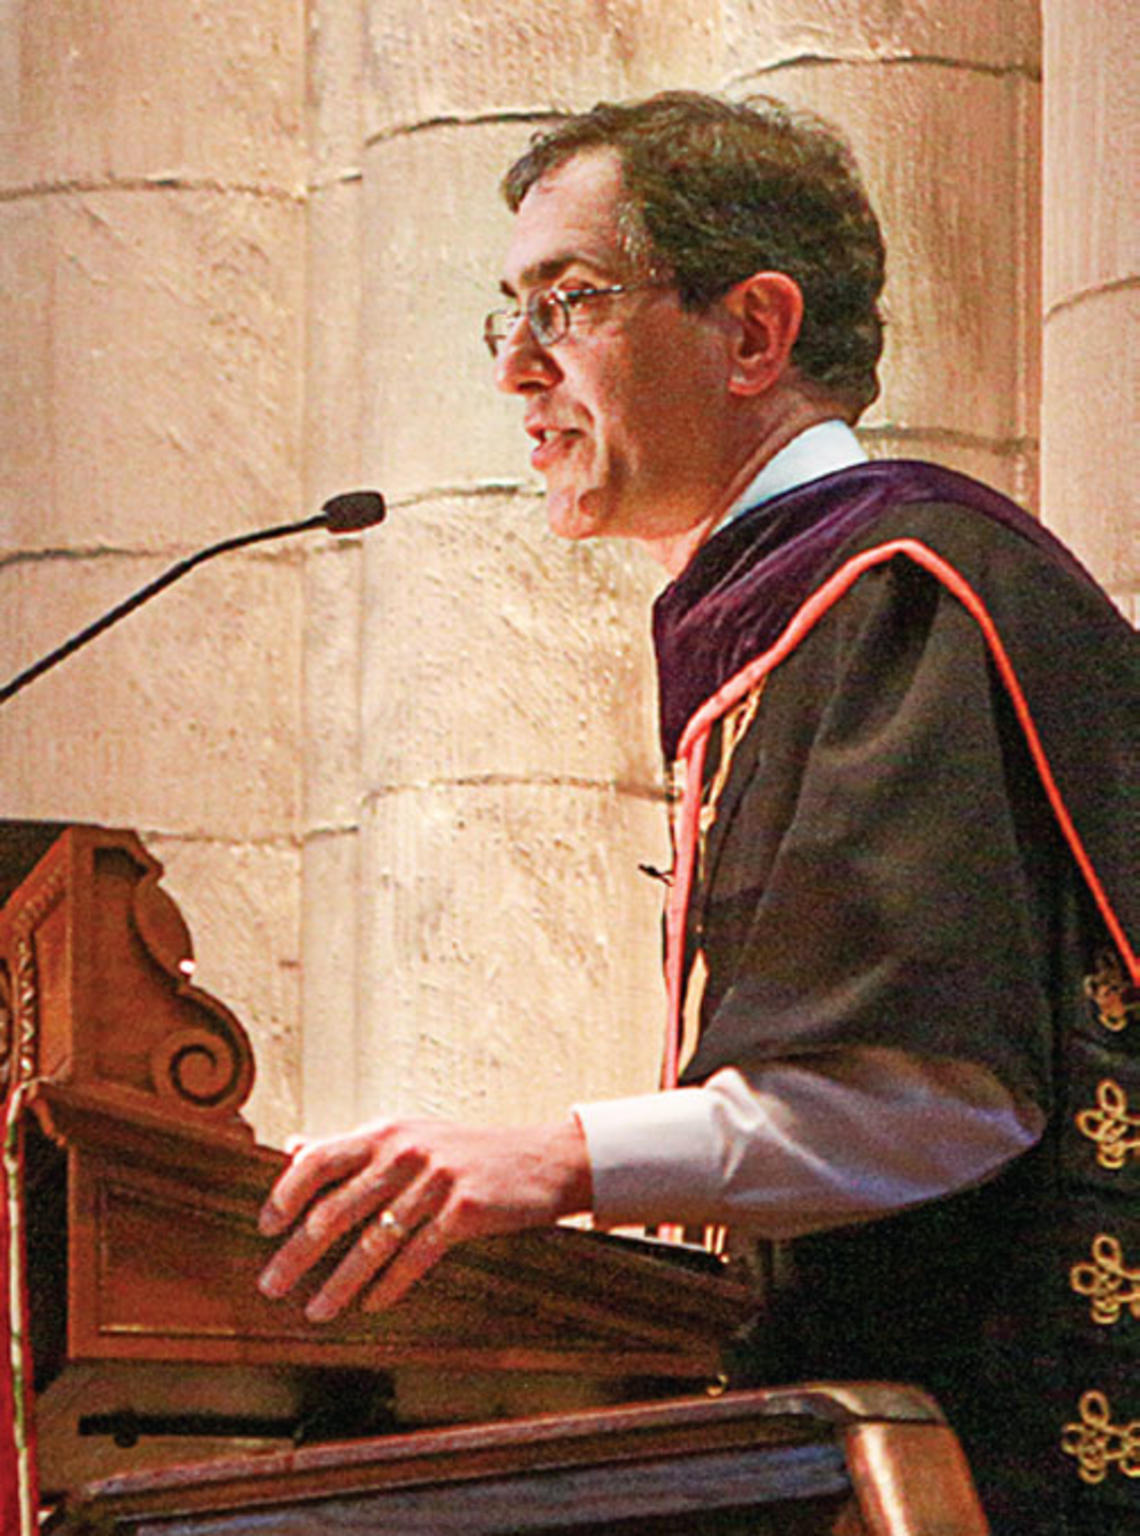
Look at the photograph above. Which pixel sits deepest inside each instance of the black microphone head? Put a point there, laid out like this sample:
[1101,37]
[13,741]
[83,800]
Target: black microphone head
[353,510]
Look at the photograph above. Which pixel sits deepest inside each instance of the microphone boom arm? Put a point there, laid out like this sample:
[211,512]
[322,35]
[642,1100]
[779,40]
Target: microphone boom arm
[343,514]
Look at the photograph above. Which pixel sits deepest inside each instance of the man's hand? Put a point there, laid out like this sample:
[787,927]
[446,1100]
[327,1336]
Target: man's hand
[412,1188]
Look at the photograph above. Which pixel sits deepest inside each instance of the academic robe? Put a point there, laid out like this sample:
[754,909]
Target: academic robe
[911,718]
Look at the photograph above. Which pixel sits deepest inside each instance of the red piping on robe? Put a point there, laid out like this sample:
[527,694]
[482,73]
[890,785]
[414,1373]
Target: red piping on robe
[694,743]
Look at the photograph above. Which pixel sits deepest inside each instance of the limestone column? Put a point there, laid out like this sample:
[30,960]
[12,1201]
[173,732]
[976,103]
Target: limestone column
[1090,457]
[941,104]
[151,240]
[332,660]
[508,783]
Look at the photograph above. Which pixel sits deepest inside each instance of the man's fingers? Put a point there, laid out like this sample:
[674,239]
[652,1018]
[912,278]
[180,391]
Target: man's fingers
[423,1249]
[438,1183]
[385,1241]
[314,1165]
[371,1251]
[328,1220]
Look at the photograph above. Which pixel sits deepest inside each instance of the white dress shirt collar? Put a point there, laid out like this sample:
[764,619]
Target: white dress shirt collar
[816,451]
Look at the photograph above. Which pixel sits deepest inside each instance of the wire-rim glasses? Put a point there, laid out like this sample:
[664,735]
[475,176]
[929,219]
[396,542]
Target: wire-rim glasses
[548,313]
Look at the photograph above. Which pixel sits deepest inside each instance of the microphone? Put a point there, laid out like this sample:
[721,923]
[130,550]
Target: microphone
[351,512]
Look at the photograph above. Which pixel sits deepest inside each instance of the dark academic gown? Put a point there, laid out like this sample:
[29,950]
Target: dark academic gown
[919,830]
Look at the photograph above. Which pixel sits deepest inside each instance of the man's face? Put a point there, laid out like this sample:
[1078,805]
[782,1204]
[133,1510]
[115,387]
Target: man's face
[627,409]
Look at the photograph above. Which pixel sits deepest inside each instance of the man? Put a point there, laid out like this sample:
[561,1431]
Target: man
[899,857]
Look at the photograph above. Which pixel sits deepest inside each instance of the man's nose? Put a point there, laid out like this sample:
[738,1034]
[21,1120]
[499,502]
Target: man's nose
[521,362]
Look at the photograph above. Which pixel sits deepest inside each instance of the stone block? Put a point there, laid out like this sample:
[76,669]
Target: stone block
[332,681]
[163,91]
[492,650]
[435,59]
[950,164]
[1090,146]
[28,417]
[333,343]
[336,88]
[510,950]
[1090,465]
[183,717]
[241,903]
[435,235]
[765,34]
[330,900]
[153,367]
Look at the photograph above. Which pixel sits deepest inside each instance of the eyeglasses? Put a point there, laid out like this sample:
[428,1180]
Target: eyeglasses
[548,313]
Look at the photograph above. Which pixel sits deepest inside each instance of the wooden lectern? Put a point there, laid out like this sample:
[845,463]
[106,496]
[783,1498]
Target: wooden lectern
[170,1392]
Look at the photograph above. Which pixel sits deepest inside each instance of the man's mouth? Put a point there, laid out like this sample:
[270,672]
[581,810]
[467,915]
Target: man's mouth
[551,443]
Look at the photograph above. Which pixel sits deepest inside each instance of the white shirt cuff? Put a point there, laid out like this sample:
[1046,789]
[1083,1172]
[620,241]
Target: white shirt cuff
[798,1146]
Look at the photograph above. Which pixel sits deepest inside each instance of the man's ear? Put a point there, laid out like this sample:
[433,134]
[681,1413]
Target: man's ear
[768,309]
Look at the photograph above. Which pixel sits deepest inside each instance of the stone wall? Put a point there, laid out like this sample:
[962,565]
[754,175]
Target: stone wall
[1092,289]
[152,236]
[942,106]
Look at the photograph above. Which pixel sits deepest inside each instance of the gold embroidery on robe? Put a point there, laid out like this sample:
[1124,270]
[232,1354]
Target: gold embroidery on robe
[1098,1444]
[1115,1001]
[1107,1281]
[695,983]
[733,728]
[1111,1126]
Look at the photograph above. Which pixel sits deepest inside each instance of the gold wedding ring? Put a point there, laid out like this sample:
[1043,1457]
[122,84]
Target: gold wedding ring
[392,1226]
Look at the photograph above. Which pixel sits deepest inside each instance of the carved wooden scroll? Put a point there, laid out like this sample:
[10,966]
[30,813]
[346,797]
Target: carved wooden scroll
[96,991]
